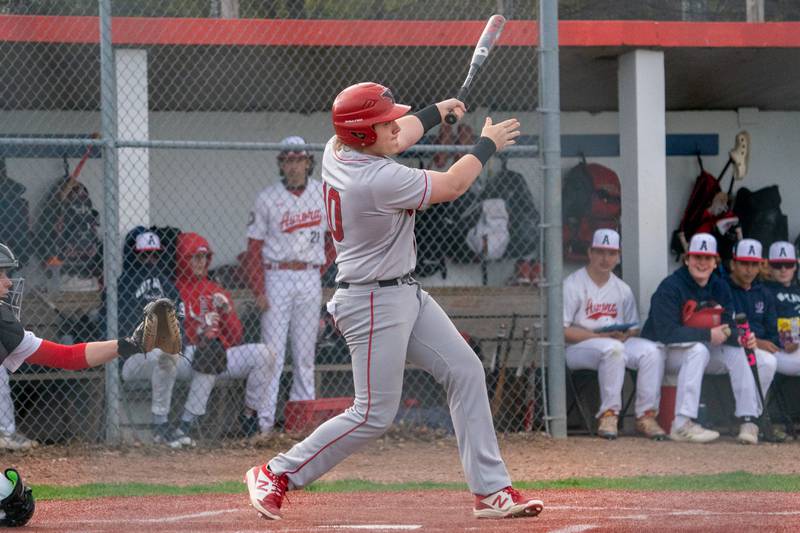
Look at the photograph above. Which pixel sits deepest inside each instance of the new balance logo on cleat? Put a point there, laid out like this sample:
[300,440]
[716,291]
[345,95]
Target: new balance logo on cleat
[506,503]
[266,491]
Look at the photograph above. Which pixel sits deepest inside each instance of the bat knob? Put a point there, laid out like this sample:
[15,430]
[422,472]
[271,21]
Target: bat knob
[450,118]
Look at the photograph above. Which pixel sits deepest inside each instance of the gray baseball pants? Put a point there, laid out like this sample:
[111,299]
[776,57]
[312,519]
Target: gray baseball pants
[385,327]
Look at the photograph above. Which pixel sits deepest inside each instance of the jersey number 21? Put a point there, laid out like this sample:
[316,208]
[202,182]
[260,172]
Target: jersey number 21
[333,208]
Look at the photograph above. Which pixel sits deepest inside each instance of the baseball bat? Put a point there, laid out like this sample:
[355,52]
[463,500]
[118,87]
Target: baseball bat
[491,34]
[499,388]
[501,333]
[79,167]
[743,328]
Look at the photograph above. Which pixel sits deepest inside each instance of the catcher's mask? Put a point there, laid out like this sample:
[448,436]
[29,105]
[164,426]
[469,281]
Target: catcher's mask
[13,297]
[295,152]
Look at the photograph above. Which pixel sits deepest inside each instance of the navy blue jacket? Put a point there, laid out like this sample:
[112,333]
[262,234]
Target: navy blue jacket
[140,284]
[665,321]
[787,299]
[759,306]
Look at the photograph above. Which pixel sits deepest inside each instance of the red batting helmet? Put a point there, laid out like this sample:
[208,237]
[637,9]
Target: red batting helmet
[361,106]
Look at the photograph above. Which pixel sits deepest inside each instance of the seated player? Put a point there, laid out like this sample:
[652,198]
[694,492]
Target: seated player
[786,298]
[601,326]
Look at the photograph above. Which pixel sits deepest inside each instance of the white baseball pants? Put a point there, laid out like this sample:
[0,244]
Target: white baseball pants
[295,299]
[647,358]
[251,361]
[689,361]
[733,361]
[607,357]
[7,422]
[788,363]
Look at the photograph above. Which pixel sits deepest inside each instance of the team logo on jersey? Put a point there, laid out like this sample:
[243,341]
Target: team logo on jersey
[595,311]
[291,222]
[760,305]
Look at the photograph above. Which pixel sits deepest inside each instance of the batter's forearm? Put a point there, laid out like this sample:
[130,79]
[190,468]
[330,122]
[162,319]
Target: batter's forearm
[447,186]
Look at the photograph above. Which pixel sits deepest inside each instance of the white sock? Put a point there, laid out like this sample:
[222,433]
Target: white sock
[679,421]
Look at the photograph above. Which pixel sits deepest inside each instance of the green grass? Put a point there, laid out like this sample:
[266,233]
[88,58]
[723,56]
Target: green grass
[733,481]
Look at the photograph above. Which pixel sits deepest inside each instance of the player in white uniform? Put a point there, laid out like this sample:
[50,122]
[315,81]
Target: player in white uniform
[601,326]
[286,249]
[383,313]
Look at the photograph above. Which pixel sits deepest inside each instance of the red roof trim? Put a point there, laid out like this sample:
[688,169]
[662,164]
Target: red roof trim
[261,32]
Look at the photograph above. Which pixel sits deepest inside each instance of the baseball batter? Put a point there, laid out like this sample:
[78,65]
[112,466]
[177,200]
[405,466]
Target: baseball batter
[383,313]
[601,326]
[286,248]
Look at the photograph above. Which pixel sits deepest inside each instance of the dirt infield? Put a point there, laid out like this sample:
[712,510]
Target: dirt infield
[393,460]
[445,511]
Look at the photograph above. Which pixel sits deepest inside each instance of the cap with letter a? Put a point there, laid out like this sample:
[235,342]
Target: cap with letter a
[782,252]
[703,244]
[748,250]
[606,239]
[147,242]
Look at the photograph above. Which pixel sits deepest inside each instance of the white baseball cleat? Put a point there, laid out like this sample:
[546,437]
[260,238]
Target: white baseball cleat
[506,503]
[691,432]
[266,491]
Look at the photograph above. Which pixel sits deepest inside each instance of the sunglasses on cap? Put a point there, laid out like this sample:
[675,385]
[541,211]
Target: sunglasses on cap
[779,266]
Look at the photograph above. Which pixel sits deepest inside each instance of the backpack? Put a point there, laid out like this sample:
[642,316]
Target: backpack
[492,226]
[708,211]
[593,200]
[761,216]
[14,218]
[523,217]
[68,229]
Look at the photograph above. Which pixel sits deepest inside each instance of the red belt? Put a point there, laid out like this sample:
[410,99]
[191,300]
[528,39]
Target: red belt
[290,265]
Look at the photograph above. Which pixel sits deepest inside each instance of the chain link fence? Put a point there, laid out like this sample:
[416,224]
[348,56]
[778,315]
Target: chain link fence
[111,202]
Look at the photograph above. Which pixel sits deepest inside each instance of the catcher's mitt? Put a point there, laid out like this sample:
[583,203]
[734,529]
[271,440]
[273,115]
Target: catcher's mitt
[161,328]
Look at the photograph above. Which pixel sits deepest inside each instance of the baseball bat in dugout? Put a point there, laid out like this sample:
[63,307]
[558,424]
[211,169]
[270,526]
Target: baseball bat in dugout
[489,36]
[499,388]
[743,327]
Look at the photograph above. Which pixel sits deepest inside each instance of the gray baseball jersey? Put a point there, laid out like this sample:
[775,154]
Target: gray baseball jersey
[371,203]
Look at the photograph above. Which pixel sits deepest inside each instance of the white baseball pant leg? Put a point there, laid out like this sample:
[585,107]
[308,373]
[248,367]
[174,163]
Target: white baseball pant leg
[647,358]
[294,298]
[304,329]
[384,326]
[162,371]
[788,363]
[733,361]
[689,361]
[607,357]
[7,422]
[252,361]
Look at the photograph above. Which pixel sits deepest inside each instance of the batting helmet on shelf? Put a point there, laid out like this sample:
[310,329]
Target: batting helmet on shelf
[361,106]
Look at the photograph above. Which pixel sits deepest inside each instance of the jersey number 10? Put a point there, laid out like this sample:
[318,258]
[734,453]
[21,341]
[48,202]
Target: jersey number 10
[333,207]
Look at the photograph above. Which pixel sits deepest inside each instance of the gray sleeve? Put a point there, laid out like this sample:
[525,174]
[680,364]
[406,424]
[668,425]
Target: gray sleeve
[398,187]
